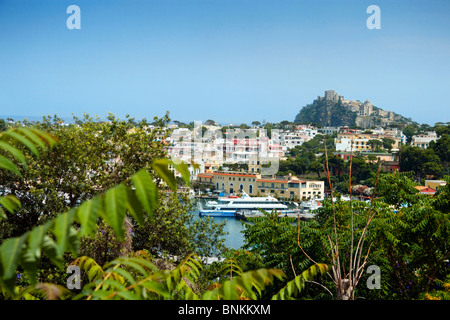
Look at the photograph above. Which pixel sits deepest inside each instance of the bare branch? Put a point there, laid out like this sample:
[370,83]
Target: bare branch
[371,214]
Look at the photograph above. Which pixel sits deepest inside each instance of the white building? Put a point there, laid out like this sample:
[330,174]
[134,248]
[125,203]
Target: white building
[423,140]
[212,148]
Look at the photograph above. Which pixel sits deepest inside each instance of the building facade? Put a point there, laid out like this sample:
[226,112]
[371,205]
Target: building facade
[287,188]
[423,140]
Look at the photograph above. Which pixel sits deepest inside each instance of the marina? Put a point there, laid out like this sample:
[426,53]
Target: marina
[234,211]
[244,206]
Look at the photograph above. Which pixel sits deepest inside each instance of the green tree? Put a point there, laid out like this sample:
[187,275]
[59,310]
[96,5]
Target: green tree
[276,241]
[3,125]
[442,149]
[413,239]
[316,166]
[409,131]
[375,144]
[420,161]
[92,157]
[387,144]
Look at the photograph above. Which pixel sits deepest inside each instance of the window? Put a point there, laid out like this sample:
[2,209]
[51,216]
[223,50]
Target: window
[250,189]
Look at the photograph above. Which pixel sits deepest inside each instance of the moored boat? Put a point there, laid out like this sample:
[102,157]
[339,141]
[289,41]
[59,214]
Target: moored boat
[246,207]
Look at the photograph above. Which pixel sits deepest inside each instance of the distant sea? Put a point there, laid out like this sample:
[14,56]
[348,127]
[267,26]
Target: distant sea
[35,118]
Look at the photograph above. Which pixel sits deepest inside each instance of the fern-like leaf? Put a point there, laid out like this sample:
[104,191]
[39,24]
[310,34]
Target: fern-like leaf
[295,286]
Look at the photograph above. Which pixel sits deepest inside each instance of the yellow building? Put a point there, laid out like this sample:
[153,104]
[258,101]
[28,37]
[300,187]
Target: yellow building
[360,141]
[435,184]
[233,182]
[291,189]
[253,184]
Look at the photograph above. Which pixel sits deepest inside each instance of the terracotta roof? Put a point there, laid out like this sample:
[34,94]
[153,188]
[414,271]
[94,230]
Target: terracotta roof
[206,175]
[428,191]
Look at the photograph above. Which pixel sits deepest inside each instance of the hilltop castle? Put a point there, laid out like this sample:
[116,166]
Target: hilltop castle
[367,113]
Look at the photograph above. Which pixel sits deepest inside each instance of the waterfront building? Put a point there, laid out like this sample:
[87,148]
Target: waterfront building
[287,188]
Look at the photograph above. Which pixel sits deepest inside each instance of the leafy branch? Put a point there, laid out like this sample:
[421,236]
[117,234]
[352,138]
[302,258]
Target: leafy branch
[137,197]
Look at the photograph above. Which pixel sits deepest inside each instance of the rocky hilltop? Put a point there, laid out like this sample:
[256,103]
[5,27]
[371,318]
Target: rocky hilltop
[332,110]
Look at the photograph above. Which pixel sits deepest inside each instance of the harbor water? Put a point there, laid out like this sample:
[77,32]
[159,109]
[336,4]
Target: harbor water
[233,236]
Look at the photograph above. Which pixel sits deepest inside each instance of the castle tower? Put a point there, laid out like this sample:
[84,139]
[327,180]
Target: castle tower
[331,95]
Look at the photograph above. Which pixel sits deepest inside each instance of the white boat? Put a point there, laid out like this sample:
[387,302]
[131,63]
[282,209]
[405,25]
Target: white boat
[310,205]
[245,206]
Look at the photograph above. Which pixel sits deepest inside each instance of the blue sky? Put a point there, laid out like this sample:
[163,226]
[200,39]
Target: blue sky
[232,61]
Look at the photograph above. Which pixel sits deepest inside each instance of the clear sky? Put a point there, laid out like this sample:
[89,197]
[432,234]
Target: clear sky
[232,61]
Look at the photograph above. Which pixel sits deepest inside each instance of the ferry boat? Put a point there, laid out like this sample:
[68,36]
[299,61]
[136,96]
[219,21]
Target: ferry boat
[245,206]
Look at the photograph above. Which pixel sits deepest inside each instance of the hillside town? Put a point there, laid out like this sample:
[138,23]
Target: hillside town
[232,159]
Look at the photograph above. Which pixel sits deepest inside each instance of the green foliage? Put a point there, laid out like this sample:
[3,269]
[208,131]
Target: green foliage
[127,277]
[421,161]
[137,278]
[281,242]
[31,138]
[92,157]
[62,234]
[3,125]
[326,113]
[295,286]
[413,239]
[247,285]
